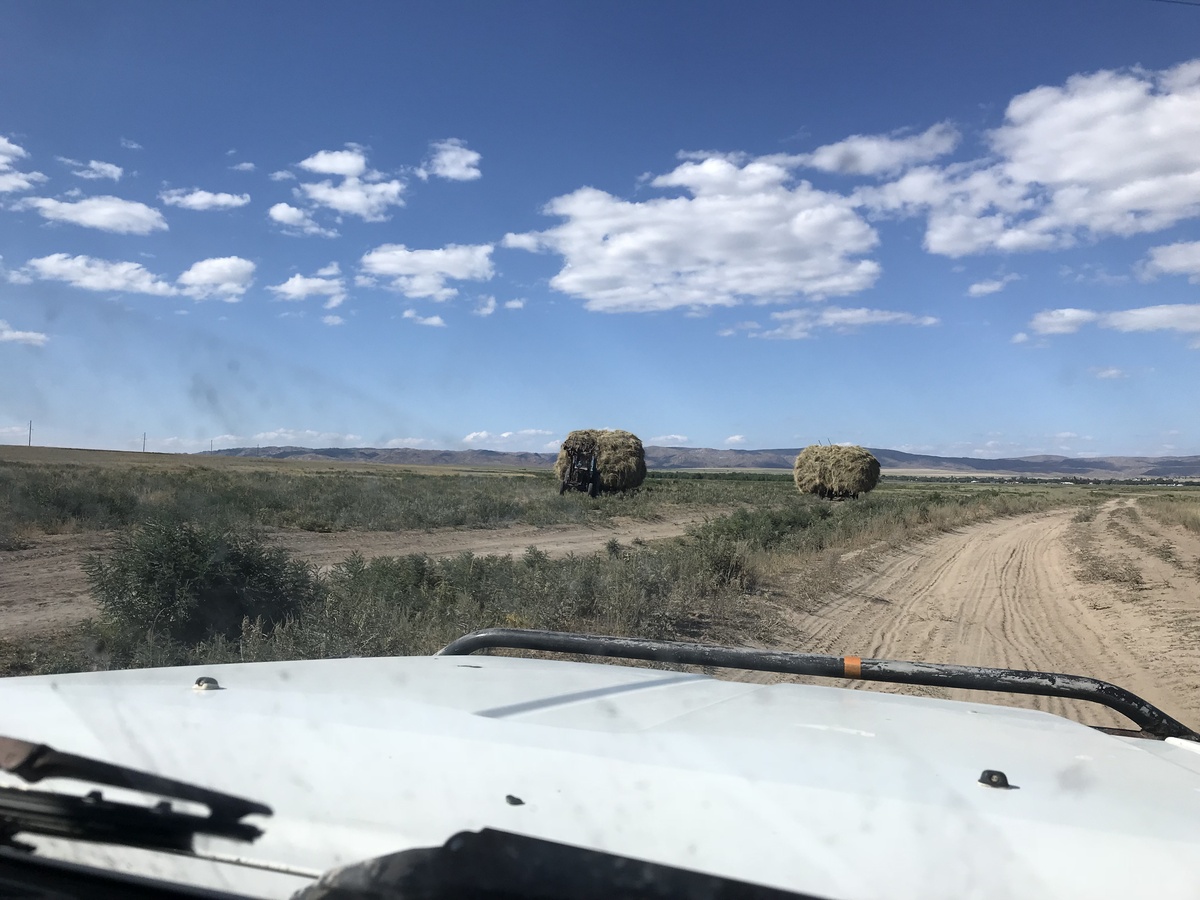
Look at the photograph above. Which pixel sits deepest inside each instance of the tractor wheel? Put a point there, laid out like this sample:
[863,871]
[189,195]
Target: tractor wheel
[594,487]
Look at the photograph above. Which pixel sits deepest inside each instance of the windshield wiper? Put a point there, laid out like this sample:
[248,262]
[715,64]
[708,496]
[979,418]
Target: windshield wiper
[93,818]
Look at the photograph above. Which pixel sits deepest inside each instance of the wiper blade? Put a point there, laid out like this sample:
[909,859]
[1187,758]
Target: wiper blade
[93,818]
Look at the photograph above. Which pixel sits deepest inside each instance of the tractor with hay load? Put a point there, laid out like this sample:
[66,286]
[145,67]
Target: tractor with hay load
[836,472]
[596,460]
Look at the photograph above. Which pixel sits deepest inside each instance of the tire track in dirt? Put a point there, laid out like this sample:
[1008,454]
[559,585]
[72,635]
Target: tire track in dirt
[1008,593]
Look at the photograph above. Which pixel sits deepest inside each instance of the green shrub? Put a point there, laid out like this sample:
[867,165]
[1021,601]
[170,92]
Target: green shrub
[190,583]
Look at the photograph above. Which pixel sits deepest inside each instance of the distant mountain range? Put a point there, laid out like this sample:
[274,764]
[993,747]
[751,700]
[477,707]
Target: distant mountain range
[666,458]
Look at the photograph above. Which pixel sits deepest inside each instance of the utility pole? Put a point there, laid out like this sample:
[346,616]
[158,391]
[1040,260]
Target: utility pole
[143,442]
[210,446]
[30,444]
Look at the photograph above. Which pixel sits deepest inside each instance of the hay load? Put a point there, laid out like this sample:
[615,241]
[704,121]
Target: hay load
[835,472]
[596,460]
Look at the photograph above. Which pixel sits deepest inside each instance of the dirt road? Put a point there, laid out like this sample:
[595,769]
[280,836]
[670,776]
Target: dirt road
[1116,598]
[44,590]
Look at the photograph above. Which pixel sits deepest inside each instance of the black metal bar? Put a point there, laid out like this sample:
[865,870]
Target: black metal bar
[1152,720]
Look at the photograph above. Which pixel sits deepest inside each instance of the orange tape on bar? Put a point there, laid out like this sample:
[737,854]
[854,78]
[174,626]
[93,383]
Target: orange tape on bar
[852,666]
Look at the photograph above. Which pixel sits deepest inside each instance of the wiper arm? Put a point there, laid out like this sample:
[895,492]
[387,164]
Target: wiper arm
[92,818]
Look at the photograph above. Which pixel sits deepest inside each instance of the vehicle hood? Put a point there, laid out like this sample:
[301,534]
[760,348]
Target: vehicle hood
[835,792]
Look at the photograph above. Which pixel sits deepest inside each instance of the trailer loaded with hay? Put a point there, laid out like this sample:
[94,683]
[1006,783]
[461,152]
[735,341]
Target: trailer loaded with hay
[596,460]
[835,472]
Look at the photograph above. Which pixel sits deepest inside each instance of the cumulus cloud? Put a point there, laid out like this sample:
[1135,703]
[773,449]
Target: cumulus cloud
[12,181]
[514,304]
[130,145]
[224,278]
[669,440]
[1020,337]
[487,306]
[297,221]
[333,320]
[739,231]
[1106,153]
[300,287]
[93,170]
[507,440]
[801,323]
[92,274]
[451,159]
[432,321]
[410,443]
[735,439]
[281,175]
[244,167]
[1109,372]
[425,273]
[305,437]
[1182,258]
[103,213]
[361,192]
[993,286]
[8,334]
[330,270]
[883,154]
[1179,317]
[199,200]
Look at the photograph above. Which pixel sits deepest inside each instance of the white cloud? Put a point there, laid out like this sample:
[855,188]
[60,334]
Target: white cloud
[300,287]
[742,231]
[281,175]
[130,145]
[244,167]
[1182,258]
[1020,337]
[882,154]
[1107,153]
[507,440]
[98,275]
[93,170]
[8,334]
[1110,372]
[424,273]
[11,181]
[104,213]
[356,197]
[350,163]
[668,440]
[225,278]
[801,323]
[333,320]
[1181,317]
[198,199]
[330,270]
[452,160]
[305,437]
[297,221]
[487,306]
[1061,321]
[433,321]
[514,304]
[735,439]
[410,443]
[982,288]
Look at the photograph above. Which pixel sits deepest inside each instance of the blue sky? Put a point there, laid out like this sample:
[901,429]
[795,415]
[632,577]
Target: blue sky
[942,227]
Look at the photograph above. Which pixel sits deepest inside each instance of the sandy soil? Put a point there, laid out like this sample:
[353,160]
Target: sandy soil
[44,589]
[1025,593]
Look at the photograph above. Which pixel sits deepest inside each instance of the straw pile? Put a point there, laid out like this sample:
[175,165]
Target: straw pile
[835,472]
[620,457]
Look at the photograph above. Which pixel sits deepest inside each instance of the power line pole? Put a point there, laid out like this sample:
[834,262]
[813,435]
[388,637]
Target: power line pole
[143,442]
[30,443]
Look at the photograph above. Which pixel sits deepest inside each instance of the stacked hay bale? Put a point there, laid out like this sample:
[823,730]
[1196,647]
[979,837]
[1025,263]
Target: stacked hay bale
[835,472]
[620,457]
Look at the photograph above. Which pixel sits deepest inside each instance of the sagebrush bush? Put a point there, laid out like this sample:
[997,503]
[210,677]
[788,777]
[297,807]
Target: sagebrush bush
[190,583]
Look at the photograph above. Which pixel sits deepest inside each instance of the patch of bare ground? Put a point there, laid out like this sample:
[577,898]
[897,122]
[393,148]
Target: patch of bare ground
[1111,595]
[43,589]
